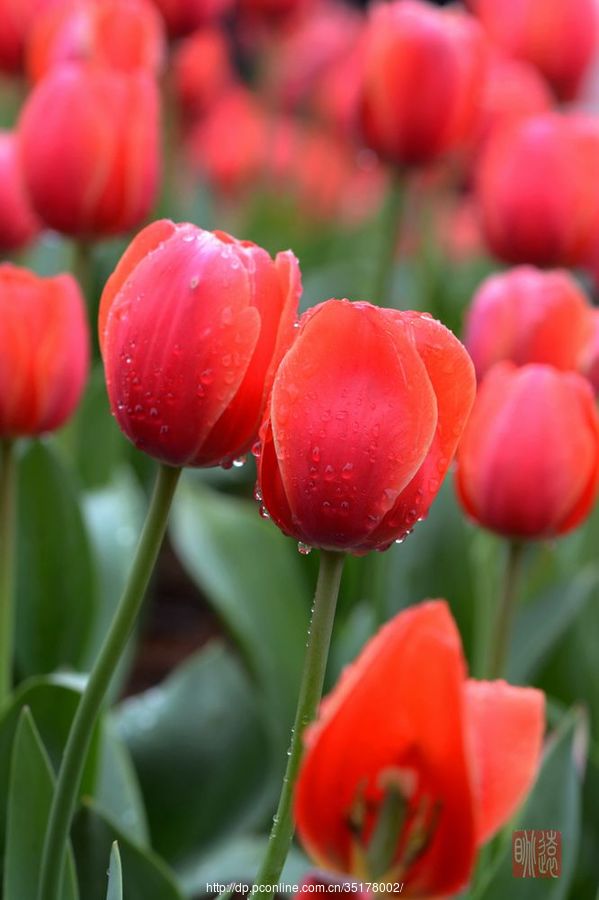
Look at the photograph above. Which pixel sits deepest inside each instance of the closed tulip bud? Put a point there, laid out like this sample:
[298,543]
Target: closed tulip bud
[365,414]
[192,327]
[19,224]
[120,34]
[538,190]
[528,316]
[411,765]
[528,463]
[90,149]
[44,351]
[557,36]
[423,80]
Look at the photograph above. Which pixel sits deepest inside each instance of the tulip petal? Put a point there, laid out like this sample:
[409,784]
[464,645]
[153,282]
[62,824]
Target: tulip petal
[506,725]
[398,707]
[452,376]
[353,415]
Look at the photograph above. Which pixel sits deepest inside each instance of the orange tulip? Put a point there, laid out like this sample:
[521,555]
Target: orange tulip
[411,766]
[44,351]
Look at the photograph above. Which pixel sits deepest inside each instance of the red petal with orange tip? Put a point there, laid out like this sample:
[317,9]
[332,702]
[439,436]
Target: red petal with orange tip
[398,712]
[506,726]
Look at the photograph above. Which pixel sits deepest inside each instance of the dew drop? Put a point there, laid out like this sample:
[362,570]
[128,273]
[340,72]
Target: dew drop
[304,549]
[264,512]
[257,494]
[239,462]
[153,412]
[193,282]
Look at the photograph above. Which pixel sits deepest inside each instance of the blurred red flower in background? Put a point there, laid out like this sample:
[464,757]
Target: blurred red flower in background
[410,765]
[17,18]
[202,70]
[557,36]
[19,224]
[44,351]
[192,326]
[528,316]
[423,80]
[366,411]
[90,149]
[538,190]
[528,462]
[184,16]
[119,34]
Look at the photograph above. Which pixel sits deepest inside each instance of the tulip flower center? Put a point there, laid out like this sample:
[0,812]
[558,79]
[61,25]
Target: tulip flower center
[391,827]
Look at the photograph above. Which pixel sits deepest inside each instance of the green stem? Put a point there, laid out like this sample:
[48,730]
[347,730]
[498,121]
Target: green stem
[506,610]
[315,663]
[391,226]
[69,776]
[7,563]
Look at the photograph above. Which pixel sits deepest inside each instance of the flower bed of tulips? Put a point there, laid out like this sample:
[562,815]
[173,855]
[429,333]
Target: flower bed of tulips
[299,356]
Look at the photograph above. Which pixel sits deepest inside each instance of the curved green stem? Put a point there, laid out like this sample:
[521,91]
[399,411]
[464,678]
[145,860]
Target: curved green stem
[391,227]
[8,480]
[506,610]
[315,663]
[69,776]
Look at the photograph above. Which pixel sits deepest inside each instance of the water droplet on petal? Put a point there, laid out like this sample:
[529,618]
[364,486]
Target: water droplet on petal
[304,549]
[239,462]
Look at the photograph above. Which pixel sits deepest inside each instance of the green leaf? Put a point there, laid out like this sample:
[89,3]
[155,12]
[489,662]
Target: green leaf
[200,752]
[145,875]
[108,773]
[237,859]
[554,803]
[56,579]
[29,801]
[115,875]
[543,622]
[253,577]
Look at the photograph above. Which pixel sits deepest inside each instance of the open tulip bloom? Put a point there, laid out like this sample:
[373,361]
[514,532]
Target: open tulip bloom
[411,766]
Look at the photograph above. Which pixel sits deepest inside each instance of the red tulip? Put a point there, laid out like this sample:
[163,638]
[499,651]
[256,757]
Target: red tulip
[423,79]
[192,327]
[538,190]
[202,70]
[229,165]
[528,316]
[406,737]
[43,351]
[121,34]
[528,463]
[365,414]
[90,149]
[19,224]
[513,91]
[17,18]
[184,16]
[557,36]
